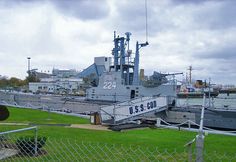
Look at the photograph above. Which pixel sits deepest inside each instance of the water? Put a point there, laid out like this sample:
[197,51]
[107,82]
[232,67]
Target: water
[222,101]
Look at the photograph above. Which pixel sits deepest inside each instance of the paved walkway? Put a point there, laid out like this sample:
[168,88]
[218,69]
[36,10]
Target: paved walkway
[81,126]
[90,126]
[14,123]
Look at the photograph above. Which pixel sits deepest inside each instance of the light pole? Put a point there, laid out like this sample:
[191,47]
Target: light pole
[28,65]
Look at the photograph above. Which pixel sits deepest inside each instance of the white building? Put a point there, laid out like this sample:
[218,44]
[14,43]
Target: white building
[56,86]
[43,87]
[64,73]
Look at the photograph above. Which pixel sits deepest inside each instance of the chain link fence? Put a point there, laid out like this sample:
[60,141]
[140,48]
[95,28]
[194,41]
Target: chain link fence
[26,145]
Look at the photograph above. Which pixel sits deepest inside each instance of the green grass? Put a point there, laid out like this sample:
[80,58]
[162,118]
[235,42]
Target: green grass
[165,138]
[18,115]
[160,138]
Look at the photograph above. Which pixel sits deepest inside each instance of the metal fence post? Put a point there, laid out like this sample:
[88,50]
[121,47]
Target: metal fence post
[190,153]
[199,147]
[189,147]
[189,124]
[36,141]
[114,115]
[200,136]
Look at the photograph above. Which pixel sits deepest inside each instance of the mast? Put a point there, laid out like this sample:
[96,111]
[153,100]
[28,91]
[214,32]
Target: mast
[115,52]
[138,46]
[136,62]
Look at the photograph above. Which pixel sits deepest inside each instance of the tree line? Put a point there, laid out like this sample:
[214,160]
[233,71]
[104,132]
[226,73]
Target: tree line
[14,82]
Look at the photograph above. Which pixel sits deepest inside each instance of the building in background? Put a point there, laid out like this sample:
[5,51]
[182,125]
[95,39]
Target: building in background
[70,81]
[57,86]
[64,73]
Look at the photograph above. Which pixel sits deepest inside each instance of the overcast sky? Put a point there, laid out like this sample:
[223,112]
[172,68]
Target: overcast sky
[68,34]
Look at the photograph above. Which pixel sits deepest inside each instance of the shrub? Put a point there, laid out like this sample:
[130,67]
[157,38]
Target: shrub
[26,144]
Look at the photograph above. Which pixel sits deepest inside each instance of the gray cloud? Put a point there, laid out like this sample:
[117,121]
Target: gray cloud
[17,3]
[175,14]
[129,16]
[83,9]
[190,2]
[181,33]
[226,53]
[217,15]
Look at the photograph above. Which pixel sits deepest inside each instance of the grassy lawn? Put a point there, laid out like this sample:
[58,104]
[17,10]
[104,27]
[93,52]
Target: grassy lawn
[160,138]
[163,138]
[21,115]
